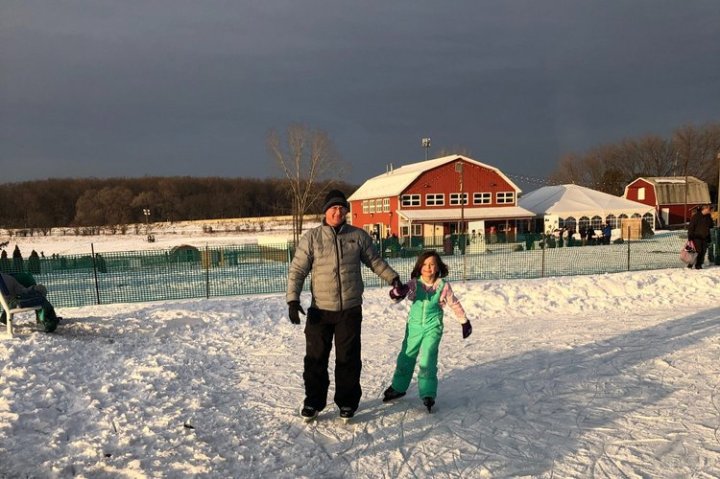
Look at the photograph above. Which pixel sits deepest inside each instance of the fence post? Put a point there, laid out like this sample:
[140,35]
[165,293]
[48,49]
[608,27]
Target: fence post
[168,272]
[628,251]
[542,268]
[97,287]
[207,271]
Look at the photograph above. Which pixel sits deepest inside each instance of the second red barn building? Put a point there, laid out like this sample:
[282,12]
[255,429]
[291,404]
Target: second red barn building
[673,197]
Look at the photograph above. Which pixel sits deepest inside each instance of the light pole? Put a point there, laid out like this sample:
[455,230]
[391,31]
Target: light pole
[461,237]
[685,211]
[146,212]
[425,142]
[718,192]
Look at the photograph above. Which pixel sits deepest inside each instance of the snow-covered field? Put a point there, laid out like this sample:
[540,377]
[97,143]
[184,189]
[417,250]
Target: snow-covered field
[601,376]
[64,241]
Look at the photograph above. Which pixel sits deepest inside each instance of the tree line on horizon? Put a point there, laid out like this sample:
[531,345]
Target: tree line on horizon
[310,163]
[83,202]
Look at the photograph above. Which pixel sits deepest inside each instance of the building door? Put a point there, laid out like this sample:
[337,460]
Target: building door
[665,215]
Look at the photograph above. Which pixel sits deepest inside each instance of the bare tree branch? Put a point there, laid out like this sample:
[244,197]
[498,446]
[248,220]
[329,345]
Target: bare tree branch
[311,165]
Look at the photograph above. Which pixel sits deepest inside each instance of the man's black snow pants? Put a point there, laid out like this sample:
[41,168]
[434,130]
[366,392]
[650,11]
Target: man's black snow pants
[701,246]
[320,328]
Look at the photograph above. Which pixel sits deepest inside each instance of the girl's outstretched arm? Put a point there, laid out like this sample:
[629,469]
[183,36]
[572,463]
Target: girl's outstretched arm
[447,297]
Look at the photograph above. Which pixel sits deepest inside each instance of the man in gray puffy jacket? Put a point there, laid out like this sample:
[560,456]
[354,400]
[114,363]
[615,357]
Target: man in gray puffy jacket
[333,254]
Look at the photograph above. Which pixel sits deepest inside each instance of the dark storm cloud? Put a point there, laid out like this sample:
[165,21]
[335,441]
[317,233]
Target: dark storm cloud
[172,87]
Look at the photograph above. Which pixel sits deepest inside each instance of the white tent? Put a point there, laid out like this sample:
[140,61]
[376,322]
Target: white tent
[576,204]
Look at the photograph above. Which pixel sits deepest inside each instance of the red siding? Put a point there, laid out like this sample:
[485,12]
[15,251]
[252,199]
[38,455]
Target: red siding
[677,213]
[445,179]
[389,219]
[650,196]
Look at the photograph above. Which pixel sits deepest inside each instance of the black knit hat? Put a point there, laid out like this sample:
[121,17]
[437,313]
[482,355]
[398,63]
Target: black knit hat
[335,198]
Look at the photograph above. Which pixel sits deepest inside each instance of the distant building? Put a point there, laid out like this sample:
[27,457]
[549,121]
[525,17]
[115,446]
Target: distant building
[422,203]
[576,208]
[672,197]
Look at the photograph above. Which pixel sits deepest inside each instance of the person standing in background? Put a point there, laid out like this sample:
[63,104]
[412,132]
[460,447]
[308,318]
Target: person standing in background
[699,232]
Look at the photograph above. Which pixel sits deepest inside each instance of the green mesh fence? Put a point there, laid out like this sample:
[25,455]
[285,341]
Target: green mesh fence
[189,272]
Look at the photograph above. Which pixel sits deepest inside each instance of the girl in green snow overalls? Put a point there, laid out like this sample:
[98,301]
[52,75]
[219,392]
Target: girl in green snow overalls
[429,294]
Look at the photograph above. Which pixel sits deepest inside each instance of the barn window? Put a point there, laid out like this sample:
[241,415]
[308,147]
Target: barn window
[641,193]
[505,197]
[378,205]
[482,198]
[455,198]
[372,206]
[416,230]
[435,199]
[386,204]
[365,206]
[410,200]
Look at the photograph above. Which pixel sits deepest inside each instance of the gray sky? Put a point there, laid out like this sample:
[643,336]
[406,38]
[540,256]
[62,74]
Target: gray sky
[187,87]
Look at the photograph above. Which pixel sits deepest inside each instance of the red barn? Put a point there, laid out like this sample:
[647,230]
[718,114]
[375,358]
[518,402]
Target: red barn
[421,202]
[672,197]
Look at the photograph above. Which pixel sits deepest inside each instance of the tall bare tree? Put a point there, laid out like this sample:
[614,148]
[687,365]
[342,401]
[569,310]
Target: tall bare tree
[699,148]
[311,165]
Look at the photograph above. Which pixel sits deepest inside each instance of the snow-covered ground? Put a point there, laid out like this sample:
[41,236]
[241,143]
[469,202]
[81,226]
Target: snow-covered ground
[601,376]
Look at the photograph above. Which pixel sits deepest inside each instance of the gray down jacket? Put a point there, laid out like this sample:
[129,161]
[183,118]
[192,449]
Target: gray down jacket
[334,261]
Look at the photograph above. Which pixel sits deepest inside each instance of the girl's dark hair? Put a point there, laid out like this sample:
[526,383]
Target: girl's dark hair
[417,270]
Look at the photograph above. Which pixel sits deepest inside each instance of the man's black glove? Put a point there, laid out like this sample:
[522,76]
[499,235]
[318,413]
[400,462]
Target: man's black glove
[399,290]
[294,310]
[467,329]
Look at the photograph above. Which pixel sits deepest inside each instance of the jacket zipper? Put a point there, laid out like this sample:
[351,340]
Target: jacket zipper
[338,256]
